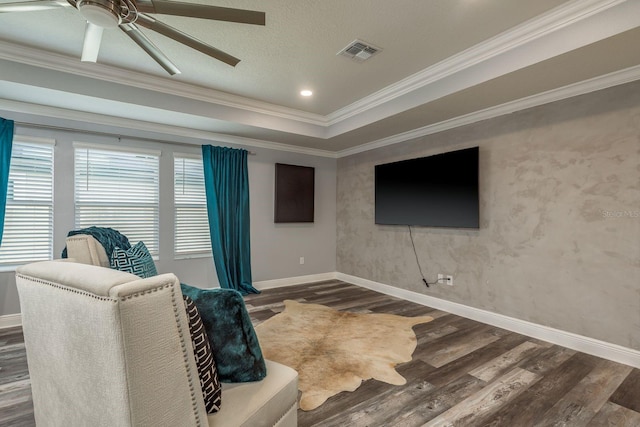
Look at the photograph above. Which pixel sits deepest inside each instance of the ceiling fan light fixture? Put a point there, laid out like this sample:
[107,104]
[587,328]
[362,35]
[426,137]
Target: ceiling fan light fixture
[103,13]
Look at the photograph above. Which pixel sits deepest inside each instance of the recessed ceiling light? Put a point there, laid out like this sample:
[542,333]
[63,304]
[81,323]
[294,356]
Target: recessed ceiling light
[306,92]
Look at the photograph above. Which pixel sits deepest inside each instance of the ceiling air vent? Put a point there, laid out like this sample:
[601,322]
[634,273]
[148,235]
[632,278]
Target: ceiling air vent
[359,50]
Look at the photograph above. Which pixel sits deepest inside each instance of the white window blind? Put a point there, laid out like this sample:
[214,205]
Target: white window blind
[28,221]
[120,190]
[191,220]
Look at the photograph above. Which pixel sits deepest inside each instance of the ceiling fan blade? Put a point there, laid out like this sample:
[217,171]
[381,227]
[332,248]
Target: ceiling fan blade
[31,6]
[201,11]
[179,36]
[91,45]
[143,41]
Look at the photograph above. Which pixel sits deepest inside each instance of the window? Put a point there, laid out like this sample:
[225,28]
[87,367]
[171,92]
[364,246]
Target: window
[191,220]
[118,189]
[28,221]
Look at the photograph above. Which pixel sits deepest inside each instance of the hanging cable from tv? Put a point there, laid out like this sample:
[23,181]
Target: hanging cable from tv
[424,280]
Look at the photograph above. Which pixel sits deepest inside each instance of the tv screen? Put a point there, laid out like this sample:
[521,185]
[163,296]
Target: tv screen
[434,191]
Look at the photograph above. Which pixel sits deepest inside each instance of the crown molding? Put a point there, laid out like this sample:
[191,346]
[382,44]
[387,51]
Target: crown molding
[566,27]
[597,83]
[518,36]
[554,20]
[157,128]
[602,82]
[58,62]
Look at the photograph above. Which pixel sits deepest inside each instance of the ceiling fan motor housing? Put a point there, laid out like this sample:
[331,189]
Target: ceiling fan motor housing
[103,13]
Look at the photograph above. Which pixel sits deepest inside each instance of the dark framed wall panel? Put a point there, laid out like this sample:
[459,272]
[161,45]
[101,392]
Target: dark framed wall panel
[294,193]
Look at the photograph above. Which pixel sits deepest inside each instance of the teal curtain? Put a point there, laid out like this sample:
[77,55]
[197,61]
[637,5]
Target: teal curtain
[6,141]
[226,182]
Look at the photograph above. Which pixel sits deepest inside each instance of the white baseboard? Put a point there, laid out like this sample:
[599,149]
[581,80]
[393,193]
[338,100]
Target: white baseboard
[289,281]
[10,320]
[570,340]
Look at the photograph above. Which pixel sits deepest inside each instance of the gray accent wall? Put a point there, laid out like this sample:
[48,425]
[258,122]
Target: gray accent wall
[559,241]
[275,249]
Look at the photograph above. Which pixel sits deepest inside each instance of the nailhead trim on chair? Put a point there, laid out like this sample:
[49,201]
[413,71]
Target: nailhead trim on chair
[148,291]
[194,403]
[65,288]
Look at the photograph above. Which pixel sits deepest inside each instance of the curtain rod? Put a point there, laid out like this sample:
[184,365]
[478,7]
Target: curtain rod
[90,132]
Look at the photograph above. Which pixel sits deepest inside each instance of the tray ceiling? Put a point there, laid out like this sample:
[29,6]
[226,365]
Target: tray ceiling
[440,61]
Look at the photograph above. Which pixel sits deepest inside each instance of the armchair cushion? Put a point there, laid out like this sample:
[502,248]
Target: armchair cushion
[233,340]
[135,260]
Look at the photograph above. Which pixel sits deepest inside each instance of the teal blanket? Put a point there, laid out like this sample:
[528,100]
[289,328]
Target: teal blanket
[108,238]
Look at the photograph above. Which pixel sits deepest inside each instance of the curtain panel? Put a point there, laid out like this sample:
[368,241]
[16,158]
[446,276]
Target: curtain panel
[227,192]
[6,142]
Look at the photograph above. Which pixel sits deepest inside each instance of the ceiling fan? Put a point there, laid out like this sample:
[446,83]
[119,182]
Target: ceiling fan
[128,14]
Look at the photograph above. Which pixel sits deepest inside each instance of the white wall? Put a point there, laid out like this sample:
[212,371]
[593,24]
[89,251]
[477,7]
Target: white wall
[275,249]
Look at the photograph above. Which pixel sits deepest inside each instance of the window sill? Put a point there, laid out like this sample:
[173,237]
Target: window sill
[192,256]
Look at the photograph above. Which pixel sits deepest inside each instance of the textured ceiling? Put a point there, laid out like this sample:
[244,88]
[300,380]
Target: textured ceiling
[412,83]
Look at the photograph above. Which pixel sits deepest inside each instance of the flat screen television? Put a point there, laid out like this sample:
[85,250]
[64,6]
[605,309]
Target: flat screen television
[434,191]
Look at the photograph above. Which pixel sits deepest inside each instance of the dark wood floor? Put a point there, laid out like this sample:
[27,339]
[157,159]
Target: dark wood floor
[466,373]
[16,409]
[463,373]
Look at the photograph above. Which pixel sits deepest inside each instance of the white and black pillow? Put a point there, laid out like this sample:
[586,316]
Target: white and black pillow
[209,382]
[135,260]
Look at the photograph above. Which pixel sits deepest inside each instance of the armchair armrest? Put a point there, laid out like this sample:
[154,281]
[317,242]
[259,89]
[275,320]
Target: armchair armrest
[85,249]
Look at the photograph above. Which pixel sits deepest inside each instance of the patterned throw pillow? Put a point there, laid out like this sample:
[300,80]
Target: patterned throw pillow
[136,260]
[211,387]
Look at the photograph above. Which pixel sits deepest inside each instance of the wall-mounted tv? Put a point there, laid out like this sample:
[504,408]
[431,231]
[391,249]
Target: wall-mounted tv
[434,191]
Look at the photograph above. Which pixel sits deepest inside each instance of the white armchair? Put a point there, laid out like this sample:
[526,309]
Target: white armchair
[106,348]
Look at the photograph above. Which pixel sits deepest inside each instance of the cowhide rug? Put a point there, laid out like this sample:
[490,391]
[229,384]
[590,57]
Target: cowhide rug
[335,351]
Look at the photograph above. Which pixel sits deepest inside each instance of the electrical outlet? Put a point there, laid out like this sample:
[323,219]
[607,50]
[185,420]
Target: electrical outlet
[449,280]
[301,260]
[440,278]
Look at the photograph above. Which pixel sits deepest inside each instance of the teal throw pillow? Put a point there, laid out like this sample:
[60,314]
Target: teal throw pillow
[234,342]
[136,260]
